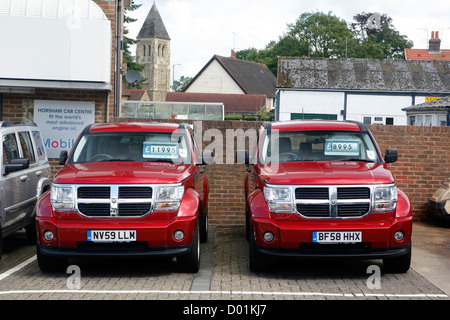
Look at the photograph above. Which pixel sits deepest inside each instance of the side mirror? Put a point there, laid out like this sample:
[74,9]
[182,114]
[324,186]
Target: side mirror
[242,157]
[391,155]
[208,157]
[63,157]
[16,165]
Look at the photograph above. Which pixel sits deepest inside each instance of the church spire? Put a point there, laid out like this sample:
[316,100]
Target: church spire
[153,26]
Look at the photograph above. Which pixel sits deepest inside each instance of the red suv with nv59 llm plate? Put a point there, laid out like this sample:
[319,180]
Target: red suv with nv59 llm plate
[321,189]
[126,190]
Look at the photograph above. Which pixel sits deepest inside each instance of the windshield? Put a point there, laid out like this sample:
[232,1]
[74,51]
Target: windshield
[132,146]
[288,146]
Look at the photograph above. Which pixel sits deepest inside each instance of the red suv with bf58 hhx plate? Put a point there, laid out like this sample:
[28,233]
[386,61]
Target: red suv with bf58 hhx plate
[321,189]
[126,190]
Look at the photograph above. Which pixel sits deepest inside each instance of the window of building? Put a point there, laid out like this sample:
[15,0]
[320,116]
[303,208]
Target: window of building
[389,121]
[367,120]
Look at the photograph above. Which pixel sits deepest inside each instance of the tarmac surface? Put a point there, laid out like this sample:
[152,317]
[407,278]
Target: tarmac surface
[224,275]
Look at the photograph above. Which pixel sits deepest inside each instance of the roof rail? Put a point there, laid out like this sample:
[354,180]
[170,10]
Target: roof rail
[268,126]
[6,124]
[361,125]
[183,126]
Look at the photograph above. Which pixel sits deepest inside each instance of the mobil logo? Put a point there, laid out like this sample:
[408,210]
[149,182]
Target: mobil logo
[58,143]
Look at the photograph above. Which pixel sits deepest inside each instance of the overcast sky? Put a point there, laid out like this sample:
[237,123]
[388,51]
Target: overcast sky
[200,29]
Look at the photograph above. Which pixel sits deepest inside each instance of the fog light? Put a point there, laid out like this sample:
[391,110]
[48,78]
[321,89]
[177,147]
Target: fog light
[399,235]
[178,235]
[268,236]
[48,235]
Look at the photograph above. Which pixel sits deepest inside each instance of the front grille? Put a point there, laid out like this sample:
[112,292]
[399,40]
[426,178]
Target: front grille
[314,210]
[352,210]
[93,192]
[95,209]
[135,192]
[333,202]
[311,193]
[353,193]
[114,201]
[134,209]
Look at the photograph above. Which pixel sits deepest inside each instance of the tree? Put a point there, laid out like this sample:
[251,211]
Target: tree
[128,58]
[316,34]
[325,35]
[179,85]
[377,37]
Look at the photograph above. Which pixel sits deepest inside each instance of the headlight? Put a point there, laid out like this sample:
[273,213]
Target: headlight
[279,199]
[168,198]
[62,197]
[385,198]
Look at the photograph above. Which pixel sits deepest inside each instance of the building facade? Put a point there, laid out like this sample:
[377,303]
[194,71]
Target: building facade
[60,66]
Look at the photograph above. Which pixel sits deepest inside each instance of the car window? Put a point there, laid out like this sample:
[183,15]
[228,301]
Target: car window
[27,146]
[10,148]
[39,145]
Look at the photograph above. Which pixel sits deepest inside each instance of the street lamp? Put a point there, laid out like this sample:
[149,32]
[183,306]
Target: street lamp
[173,75]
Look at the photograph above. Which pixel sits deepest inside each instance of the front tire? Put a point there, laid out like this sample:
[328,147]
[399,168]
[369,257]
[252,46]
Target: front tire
[256,261]
[50,264]
[190,262]
[399,264]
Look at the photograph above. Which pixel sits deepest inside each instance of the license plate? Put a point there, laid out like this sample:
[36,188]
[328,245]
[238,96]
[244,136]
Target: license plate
[111,235]
[337,236]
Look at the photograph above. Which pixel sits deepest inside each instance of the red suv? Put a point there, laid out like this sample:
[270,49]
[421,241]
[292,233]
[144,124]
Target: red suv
[321,189]
[126,190]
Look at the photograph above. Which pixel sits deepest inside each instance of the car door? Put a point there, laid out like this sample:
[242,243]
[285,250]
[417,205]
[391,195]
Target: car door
[15,184]
[33,173]
[199,174]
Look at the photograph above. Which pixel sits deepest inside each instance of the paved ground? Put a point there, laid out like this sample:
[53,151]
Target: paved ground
[224,275]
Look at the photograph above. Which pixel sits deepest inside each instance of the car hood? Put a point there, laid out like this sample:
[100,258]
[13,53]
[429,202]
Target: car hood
[326,173]
[123,173]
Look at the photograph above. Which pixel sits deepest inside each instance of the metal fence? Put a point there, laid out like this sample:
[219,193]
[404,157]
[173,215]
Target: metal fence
[172,110]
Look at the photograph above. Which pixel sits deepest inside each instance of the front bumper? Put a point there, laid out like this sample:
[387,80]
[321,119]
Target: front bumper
[153,238]
[114,252]
[336,253]
[295,239]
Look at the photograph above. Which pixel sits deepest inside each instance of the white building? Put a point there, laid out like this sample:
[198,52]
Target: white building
[370,91]
[431,113]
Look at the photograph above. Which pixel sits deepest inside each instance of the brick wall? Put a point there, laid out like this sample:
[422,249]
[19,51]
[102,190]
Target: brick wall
[424,160]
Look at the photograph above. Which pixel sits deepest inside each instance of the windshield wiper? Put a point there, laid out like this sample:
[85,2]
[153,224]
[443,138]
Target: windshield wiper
[160,160]
[357,159]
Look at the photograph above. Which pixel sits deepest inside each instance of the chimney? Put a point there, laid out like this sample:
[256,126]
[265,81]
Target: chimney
[233,54]
[434,43]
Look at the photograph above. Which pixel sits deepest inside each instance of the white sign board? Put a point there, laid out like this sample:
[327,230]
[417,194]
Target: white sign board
[61,122]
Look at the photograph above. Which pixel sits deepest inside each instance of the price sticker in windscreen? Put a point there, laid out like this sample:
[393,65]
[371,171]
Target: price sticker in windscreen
[341,148]
[160,151]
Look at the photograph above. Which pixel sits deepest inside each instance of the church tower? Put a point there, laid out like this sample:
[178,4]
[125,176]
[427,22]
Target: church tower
[153,51]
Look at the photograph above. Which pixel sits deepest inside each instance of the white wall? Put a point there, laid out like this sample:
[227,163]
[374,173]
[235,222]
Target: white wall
[310,102]
[360,106]
[55,49]
[214,79]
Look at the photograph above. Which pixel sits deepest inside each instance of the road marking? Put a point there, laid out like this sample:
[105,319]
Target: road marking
[17,268]
[265,293]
